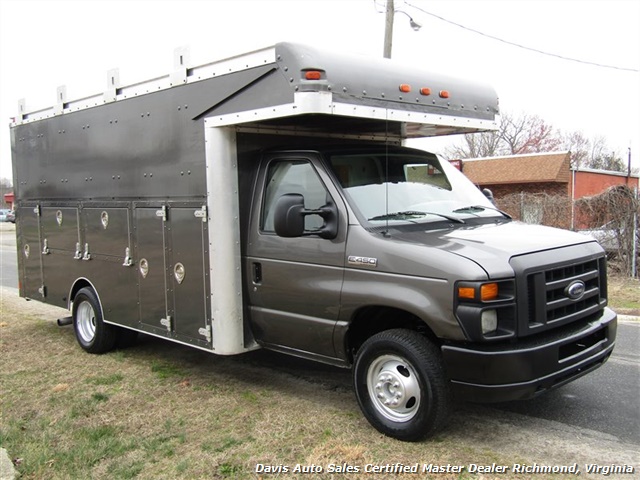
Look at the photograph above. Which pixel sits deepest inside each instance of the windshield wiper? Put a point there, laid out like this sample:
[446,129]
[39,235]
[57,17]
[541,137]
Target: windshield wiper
[482,208]
[413,213]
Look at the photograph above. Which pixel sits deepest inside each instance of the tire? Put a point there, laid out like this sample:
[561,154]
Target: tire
[93,335]
[401,385]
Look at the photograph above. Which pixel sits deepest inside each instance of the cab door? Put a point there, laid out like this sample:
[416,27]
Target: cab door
[295,283]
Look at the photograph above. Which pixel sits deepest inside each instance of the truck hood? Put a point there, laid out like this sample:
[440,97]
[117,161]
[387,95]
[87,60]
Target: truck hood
[491,246]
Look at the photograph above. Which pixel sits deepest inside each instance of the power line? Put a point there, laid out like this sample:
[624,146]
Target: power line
[524,47]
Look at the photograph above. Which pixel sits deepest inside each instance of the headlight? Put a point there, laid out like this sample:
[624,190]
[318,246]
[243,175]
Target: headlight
[486,310]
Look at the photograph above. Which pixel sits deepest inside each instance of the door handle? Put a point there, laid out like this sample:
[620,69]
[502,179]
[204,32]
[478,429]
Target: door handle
[257,273]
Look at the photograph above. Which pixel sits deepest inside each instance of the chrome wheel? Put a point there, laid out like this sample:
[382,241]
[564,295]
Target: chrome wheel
[86,322]
[394,388]
[92,333]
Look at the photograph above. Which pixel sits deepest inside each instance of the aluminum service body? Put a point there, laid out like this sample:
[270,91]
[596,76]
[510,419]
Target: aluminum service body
[159,160]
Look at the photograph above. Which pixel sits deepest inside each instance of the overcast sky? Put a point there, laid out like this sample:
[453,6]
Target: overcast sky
[45,44]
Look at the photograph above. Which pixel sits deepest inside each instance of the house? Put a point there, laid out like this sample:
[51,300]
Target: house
[588,182]
[548,173]
[541,187]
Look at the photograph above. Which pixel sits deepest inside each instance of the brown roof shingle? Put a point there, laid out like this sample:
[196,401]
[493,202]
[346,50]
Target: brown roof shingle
[528,168]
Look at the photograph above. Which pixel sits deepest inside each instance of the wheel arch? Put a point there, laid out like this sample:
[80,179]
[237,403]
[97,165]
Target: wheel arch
[370,320]
[78,285]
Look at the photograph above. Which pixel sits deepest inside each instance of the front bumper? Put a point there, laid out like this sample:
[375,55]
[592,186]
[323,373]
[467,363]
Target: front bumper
[517,371]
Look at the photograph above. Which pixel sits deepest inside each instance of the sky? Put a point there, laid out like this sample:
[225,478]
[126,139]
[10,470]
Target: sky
[49,43]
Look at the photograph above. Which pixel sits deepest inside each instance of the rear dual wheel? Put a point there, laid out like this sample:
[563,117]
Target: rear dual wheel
[401,386]
[92,333]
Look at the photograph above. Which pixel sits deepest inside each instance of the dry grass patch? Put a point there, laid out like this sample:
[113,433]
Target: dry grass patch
[163,411]
[624,295]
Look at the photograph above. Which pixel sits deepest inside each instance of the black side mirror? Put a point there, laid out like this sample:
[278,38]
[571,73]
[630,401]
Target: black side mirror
[289,215]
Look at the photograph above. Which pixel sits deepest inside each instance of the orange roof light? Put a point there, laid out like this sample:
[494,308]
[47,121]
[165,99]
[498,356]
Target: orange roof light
[405,87]
[313,75]
[444,93]
[425,91]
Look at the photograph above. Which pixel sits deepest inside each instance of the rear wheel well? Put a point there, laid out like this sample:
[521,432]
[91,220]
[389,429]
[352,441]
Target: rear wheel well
[79,285]
[369,321]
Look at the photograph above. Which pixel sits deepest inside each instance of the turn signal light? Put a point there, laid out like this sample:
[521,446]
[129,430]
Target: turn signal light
[467,292]
[488,291]
[484,292]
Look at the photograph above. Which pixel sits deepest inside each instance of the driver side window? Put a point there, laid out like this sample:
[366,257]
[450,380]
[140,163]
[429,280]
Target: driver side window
[293,176]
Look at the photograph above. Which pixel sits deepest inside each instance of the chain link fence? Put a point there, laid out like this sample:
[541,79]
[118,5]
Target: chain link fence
[611,217]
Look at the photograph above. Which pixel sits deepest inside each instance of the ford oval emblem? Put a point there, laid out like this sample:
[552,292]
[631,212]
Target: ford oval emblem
[575,290]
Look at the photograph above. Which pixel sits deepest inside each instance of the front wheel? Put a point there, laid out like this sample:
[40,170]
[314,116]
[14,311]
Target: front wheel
[401,386]
[92,333]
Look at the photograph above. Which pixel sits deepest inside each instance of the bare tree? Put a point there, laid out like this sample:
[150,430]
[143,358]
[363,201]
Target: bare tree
[580,147]
[523,133]
[476,145]
[517,134]
[593,153]
[613,213]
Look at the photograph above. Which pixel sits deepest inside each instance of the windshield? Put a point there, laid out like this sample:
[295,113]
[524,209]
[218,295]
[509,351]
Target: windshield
[408,187]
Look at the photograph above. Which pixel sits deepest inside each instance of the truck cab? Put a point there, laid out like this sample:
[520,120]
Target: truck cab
[346,244]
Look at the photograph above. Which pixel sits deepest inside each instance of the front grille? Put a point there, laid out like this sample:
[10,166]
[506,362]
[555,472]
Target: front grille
[545,297]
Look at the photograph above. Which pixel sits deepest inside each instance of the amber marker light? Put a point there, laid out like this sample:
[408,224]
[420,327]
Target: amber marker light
[312,75]
[405,87]
[425,91]
[488,291]
[444,93]
[468,293]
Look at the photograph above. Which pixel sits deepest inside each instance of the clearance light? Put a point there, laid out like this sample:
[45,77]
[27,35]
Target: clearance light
[313,75]
[444,93]
[425,91]
[488,291]
[405,87]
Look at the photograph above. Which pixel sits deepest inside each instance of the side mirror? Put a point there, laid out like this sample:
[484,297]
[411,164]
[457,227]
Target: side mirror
[289,215]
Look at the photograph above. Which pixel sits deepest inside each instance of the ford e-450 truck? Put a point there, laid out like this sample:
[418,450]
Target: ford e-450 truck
[268,201]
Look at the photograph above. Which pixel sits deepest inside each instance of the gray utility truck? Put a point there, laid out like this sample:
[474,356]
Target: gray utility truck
[266,200]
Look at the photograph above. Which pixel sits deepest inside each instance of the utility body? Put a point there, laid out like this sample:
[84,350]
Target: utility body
[267,200]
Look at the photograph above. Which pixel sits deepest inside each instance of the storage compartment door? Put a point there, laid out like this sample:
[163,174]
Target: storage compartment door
[111,267]
[188,270]
[30,253]
[60,252]
[150,255]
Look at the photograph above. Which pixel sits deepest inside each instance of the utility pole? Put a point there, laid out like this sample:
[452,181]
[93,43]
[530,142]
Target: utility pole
[388,26]
[629,167]
[388,29]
